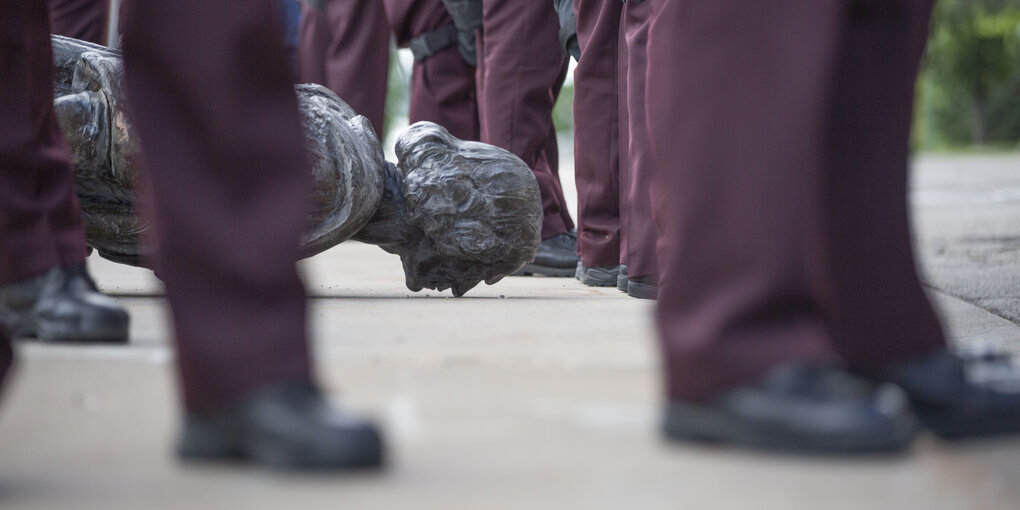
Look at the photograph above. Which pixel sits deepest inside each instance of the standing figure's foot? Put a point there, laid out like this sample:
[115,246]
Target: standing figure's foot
[285,426]
[958,397]
[62,305]
[598,276]
[643,287]
[800,408]
[557,256]
[621,279]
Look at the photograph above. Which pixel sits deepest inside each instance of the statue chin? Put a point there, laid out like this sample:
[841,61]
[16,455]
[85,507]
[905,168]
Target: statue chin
[457,213]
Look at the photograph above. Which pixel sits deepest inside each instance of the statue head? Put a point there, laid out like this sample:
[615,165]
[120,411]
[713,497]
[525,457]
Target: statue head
[477,208]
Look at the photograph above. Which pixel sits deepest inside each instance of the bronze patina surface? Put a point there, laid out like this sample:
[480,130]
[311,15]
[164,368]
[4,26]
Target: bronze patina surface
[456,212]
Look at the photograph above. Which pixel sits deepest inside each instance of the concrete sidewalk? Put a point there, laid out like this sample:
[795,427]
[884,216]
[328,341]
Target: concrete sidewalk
[535,393]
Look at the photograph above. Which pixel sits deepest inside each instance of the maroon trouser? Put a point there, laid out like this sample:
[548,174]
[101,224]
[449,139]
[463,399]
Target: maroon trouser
[442,85]
[81,19]
[520,72]
[779,135]
[345,46]
[40,225]
[597,132]
[225,156]
[638,237]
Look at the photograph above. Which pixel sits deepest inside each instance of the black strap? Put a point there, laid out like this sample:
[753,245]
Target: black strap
[466,14]
[430,43]
[568,39]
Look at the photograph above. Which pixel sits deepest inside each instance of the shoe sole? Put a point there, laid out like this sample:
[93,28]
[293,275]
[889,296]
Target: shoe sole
[63,332]
[641,290]
[595,282]
[367,459]
[597,278]
[684,422]
[207,444]
[362,453]
[961,426]
[534,269]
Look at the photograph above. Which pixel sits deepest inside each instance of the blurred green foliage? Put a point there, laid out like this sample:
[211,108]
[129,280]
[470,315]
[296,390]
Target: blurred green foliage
[969,89]
[397,95]
[563,110]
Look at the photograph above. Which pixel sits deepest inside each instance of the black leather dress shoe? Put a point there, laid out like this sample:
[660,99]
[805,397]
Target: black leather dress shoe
[557,256]
[62,305]
[959,398]
[287,426]
[800,408]
[621,279]
[598,276]
[643,287]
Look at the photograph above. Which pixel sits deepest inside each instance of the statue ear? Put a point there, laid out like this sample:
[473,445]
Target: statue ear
[421,141]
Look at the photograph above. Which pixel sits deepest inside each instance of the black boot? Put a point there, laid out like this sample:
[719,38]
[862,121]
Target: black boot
[62,305]
[959,398]
[286,426]
[557,256]
[621,279]
[643,287]
[598,276]
[800,408]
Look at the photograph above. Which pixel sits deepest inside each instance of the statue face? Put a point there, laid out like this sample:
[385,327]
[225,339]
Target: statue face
[426,268]
[476,206]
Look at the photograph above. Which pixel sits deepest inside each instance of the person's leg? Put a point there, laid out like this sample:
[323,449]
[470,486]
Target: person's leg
[45,289]
[231,188]
[519,69]
[442,85]
[344,46]
[622,70]
[32,154]
[639,250]
[443,91]
[883,324]
[39,216]
[737,112]
[596,136]
[882,314]
[238,304]
[358,56]
[80,19]
[313,39]
[737,151]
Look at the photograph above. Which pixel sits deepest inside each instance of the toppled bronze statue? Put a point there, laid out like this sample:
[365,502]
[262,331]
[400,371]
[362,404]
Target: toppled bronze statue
[456,212]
